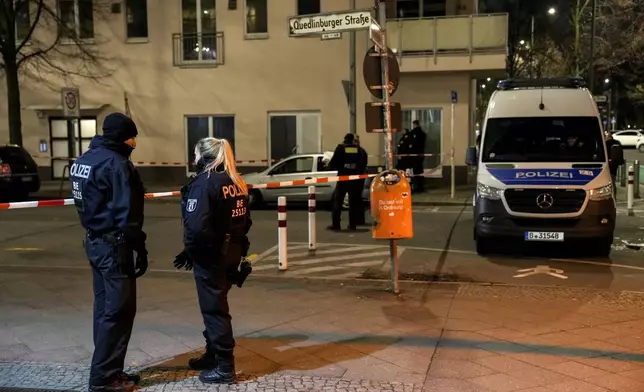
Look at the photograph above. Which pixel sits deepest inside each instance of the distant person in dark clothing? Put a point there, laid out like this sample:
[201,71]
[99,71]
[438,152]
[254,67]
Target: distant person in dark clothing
[418,138]
[404,147]
[613,166]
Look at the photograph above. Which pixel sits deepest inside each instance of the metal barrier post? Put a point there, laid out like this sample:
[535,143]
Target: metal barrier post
[62,180]
[281,233]
[622,177]
[312,227]
[629,190]
[636,179]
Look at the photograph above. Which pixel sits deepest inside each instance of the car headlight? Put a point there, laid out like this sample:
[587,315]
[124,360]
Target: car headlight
[489,192]
[602,193]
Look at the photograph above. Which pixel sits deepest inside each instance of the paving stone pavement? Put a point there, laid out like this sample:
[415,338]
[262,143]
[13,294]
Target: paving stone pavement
[333,336]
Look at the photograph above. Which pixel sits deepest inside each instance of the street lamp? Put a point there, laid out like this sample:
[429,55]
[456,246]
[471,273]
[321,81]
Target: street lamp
[552,11]
[606,80]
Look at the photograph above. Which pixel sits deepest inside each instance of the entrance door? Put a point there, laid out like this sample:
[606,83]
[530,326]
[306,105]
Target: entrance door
[431,121]
[294,133]
[58,142]
[199,127]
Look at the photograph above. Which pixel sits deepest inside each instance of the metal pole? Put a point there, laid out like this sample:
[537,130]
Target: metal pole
[593,31]
[531,47]
[352,77]
[629,192]
[636,178]
[312,224]
[71,144]
[282,241]
[451,155]
[384,61]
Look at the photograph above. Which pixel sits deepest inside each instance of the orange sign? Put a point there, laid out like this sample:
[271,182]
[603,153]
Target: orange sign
[391,206]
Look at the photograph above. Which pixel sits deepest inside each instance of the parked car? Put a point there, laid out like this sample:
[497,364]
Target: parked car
[640,144]
[296,167]
[18,173]
[628,138]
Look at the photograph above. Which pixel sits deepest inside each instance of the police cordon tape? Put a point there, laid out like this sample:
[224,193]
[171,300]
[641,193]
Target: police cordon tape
[158,195]
[264,161]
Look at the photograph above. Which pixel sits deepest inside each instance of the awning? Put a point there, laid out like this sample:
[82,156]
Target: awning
[59,108]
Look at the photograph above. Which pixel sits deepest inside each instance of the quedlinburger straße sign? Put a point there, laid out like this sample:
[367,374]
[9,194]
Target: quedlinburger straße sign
[329,23]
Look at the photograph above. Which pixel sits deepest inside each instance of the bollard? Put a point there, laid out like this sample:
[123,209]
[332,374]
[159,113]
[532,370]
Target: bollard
[636,179]
[281,233]
[629,192]
[312,233]
[622,175]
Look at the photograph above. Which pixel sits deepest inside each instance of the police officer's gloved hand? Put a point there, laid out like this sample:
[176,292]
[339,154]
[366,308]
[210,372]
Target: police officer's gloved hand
[183,260]
[141,263]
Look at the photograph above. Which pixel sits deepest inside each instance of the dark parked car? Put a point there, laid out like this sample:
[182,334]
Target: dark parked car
[18,173]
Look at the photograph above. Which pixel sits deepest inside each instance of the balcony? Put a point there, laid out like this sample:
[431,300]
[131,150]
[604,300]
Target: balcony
[198,50]
[451,43]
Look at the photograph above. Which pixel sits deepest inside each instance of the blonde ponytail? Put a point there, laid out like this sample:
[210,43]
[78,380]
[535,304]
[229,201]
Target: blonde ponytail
[221,154]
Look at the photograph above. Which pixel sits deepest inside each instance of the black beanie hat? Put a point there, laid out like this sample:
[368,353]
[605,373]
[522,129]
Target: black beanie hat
[349,138]
[118,127]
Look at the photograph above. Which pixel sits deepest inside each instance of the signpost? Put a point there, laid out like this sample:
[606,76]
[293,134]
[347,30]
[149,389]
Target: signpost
[70,99]
[381,75]
[451,153]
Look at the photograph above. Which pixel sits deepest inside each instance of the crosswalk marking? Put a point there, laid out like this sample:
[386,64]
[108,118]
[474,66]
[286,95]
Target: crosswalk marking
[319,252]
[325,259]
[333,268]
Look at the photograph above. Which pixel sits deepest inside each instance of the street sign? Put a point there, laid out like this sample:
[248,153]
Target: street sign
[332,22]
[328,36]
[600,98]
[375,117]
[454,96]
[372,72]
[376,36]
[70,98]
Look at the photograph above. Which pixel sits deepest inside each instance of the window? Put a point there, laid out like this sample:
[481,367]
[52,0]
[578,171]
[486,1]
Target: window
[136,18]
[294,133]
[420,8]
[543,139]
[23,21]
[76,18]
[256,18]
[431,122]
[199,30]
[199,127]
[306,7]
[295,165]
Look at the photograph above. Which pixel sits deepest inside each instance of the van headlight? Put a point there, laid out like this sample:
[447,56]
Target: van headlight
[489,192]
[602,193]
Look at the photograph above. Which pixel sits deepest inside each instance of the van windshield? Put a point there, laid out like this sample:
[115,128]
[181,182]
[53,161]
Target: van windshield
[543,139]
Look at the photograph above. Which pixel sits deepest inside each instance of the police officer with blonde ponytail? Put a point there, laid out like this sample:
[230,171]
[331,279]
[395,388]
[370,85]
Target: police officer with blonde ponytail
[216,221]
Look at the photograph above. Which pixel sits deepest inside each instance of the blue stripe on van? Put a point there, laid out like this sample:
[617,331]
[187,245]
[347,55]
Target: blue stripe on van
[559,177]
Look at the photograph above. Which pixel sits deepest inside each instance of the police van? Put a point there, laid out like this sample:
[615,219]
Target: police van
[543,168]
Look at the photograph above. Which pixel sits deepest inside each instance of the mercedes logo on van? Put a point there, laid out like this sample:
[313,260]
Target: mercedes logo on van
[545,201]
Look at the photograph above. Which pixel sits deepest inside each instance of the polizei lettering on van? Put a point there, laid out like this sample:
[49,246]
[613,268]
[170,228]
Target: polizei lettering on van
[330,23]
[543,174]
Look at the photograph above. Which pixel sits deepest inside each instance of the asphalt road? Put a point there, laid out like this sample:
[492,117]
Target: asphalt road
[442,248]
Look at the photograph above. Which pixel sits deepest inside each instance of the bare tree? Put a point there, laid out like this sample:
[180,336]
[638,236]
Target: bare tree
[42,41]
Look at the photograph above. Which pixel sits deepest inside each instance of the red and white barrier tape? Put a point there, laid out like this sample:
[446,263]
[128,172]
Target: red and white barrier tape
[157,195]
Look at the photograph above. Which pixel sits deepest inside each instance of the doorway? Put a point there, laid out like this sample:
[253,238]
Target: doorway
[431,121]
[59,146]
[199,127]
[294,133]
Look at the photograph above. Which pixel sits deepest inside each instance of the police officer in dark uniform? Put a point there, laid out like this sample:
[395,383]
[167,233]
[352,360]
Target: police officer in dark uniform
[109,195]
[216,221]
[403,149]
[418,138]
[348,159]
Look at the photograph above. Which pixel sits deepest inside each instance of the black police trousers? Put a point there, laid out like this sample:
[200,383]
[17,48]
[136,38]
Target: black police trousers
[354,190]
[114,307]
[212,278]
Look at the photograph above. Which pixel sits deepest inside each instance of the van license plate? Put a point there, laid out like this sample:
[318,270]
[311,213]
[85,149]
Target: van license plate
[543,236]
[26,179]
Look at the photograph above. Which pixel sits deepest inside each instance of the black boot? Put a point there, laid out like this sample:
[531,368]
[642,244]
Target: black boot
[115,386]
[206,360]
[224,373]
[133,378]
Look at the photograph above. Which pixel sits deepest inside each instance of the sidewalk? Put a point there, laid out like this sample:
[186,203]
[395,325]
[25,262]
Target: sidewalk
[294,335]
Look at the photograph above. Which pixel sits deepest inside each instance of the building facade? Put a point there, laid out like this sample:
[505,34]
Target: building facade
[187,69]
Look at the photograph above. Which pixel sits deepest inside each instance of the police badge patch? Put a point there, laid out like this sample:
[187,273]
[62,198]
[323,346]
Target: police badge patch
[191,205]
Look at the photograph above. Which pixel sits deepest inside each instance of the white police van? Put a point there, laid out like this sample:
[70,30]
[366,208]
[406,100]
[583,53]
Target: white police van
[543,169]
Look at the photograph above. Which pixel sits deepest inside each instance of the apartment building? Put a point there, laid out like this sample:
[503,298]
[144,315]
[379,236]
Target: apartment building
[187,69]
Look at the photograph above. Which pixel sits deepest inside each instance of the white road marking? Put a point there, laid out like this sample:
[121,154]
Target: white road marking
[325,260]
[541,269]
[323,252]
[265,253]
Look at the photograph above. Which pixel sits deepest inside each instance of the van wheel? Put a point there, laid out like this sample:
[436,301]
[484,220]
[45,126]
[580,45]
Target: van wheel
[602,247]
[255,199]
[483,245]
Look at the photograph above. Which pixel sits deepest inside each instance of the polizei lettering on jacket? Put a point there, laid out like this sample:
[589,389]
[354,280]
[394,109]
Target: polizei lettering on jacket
[330,23]
[543,174]
[78,170]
